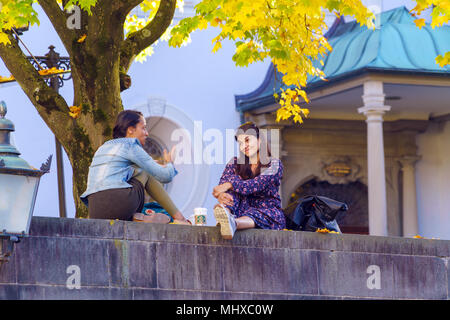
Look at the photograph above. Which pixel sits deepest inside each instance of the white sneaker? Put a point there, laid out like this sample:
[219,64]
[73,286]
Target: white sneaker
[226,221]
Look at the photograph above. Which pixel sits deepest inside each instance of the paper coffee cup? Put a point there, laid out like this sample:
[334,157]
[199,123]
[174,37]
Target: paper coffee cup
[199,216]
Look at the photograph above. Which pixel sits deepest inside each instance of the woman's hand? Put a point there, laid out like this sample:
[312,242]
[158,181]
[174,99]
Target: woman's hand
[221,188]
[169,156]
[225,199]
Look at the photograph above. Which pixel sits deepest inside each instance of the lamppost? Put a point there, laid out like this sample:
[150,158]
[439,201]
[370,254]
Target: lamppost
[53,60]
[19,184]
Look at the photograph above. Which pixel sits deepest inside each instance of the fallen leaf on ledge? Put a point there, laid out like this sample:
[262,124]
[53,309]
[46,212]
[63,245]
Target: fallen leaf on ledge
[325,230]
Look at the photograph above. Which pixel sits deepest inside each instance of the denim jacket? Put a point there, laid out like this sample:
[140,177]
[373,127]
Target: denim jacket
[112,166]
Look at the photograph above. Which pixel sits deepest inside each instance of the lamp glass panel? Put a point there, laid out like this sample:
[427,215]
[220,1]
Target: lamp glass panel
[17,196]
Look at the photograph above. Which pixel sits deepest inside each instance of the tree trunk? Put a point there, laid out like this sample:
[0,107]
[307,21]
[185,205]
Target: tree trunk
[95,71]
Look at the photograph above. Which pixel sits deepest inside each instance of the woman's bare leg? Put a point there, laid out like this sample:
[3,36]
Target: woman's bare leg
[156,190]
[244,222]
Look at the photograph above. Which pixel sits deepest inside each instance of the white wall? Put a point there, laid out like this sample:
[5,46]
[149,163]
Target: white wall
[433,181]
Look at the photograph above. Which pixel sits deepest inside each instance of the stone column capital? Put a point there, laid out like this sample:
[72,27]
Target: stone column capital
[374,112]
[408,162]
[373,98]
[373,95]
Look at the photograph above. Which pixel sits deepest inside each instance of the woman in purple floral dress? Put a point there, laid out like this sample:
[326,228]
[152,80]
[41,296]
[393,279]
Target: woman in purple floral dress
[248,189]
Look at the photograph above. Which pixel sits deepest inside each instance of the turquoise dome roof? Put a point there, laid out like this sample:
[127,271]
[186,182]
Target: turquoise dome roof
[396,46]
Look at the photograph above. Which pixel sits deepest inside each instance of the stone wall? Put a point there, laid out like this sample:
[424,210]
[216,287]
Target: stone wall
[104,259]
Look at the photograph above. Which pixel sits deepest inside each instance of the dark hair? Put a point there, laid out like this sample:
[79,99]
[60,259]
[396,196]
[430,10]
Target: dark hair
[243,168]
[126,119]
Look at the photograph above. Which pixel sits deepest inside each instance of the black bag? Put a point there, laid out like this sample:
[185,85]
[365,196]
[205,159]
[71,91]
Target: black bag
[314,212]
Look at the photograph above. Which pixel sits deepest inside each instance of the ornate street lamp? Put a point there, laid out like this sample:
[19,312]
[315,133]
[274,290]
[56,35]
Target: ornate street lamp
[52,59]
[19,184]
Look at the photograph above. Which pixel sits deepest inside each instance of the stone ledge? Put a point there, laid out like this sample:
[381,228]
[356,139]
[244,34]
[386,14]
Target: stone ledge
[131,260]
[124,230]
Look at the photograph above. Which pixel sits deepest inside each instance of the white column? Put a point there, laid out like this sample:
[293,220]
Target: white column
[374,109]
[410,221]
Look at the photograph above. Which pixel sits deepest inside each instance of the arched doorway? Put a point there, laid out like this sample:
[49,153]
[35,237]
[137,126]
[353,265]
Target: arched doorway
[154,148]
[162,121]
[354,194]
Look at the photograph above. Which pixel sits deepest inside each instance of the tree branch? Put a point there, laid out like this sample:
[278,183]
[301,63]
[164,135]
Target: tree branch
[139,40]
[58,19]
[128,5]
[51,106]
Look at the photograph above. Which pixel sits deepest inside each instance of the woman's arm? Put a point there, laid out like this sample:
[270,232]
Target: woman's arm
[141,158]
[272,176]
[227,175]
[229,172]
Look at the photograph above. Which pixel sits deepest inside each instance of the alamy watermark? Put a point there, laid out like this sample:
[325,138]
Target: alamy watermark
[374,280]
[214,146]
[74,19]
[74,279]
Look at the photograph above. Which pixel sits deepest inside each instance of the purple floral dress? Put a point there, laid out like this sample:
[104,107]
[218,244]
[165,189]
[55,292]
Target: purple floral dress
[257,198]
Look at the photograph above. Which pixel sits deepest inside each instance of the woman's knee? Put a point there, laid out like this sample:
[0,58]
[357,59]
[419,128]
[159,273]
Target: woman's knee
[140,175]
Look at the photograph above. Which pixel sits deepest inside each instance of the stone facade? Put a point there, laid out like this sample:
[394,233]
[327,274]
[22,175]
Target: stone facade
[104,259]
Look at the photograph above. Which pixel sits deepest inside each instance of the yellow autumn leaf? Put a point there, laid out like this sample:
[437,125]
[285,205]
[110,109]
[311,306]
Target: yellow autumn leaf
[443,60]
[6,79]
[81,39]
[325,230]
[4,38]
[420,23]
[217,46]
[302,93]
[203,24]
[74,111]
[417,10]
[439,21]
[45,72]
[215,22]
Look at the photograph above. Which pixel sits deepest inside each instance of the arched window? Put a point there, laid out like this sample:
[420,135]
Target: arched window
[154,149]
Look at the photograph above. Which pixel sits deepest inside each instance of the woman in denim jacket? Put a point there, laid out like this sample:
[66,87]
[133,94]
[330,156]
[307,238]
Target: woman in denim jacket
[120,172]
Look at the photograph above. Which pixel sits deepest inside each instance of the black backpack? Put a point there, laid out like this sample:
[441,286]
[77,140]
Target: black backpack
[314,212]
